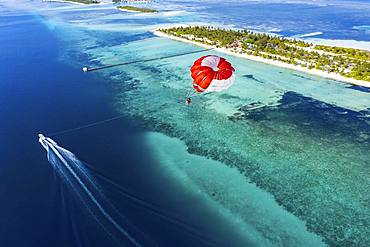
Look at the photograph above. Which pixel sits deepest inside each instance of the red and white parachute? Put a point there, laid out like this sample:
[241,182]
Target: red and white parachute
[212,74]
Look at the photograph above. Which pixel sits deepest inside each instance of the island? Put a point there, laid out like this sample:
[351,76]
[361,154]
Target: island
[136,9]
[339,63]
[74,1]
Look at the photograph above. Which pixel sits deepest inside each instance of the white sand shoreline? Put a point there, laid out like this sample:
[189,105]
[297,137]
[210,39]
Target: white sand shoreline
[347,43]
[316,72]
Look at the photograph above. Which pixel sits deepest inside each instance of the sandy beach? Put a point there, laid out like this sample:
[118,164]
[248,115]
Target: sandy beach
[316,72]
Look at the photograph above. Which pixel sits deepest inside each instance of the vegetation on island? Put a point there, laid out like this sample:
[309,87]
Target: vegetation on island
[348,62]
[133,8]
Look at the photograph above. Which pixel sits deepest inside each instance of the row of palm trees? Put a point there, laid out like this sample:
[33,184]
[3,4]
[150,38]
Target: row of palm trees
[348,62]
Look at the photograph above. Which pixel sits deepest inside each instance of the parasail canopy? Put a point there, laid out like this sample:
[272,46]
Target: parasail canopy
[212,74]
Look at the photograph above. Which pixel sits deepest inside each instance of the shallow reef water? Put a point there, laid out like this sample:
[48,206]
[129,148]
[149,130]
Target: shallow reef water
[304,145]
[311,155]
[252,211]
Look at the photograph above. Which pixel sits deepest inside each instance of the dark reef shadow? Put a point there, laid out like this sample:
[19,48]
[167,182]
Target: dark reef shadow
[360,88]
[311,116]
[250,76]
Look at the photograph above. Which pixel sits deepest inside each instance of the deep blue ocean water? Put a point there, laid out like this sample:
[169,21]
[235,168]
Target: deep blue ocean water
[334,19]
[35,98]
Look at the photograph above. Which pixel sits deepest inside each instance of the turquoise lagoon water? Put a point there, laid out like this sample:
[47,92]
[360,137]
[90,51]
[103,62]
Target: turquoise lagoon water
[307,144]
[282,155]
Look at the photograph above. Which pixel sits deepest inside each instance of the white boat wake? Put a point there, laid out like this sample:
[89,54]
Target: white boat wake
[80,181]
